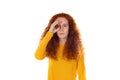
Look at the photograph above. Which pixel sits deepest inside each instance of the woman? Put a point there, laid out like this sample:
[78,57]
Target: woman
[62,44]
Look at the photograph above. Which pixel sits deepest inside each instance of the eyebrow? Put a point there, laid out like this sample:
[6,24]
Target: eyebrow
[66,24]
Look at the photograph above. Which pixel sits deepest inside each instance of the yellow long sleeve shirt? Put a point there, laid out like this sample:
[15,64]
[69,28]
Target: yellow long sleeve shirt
[61,69]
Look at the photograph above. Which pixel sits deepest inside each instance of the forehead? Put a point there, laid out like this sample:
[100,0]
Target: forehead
[62,20]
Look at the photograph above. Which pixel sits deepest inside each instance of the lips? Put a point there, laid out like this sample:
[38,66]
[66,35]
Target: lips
[61,33]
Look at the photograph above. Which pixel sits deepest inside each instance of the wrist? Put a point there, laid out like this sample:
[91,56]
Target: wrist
[50,31]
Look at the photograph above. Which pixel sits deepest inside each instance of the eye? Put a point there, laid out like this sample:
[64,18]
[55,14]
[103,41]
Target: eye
[65,25]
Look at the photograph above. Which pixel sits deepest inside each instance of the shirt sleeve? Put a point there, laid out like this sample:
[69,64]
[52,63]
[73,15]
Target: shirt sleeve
[41,50]
[81,66]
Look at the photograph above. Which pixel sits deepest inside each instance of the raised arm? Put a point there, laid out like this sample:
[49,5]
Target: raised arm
[41,50]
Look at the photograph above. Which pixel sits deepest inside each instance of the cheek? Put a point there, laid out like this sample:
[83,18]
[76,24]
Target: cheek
[57,33]
[67,31]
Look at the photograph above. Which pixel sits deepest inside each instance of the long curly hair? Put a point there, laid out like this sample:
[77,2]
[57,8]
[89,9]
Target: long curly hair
[73,44]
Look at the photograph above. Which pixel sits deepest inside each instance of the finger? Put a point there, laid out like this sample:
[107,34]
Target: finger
[55,23]
[57,29]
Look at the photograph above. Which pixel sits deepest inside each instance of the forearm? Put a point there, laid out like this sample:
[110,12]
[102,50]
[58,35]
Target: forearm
[82,74]
[81,67]
[41,50]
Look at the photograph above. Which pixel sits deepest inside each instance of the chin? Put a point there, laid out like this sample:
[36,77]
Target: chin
[62,37]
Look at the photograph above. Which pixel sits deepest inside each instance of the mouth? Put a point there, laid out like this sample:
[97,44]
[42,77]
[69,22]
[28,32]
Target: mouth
[61,33]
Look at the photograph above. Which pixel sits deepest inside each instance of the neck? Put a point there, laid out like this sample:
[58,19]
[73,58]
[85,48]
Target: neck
[62,41]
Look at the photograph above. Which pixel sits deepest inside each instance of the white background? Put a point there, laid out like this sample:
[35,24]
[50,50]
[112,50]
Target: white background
[23,21]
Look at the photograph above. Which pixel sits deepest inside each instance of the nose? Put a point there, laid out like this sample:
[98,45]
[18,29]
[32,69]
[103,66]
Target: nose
[61,28]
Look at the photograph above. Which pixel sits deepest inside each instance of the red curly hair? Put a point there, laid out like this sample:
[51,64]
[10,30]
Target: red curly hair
[73,44]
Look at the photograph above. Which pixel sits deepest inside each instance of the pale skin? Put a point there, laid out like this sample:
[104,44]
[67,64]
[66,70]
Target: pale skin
[62,31]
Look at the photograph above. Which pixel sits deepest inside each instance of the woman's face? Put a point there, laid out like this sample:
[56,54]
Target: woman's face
[62,33]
